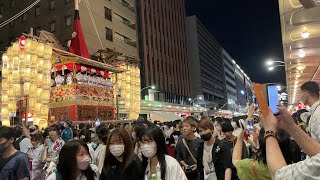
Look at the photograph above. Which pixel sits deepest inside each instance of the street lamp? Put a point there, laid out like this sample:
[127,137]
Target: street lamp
[271,62]
[272,67]
[152,87]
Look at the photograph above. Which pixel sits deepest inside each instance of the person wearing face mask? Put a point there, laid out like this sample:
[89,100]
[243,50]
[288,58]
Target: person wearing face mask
[120,162]
[14,164]
[310,97]
[67,133]
[34,155]
[138,131]
[156,161]
[74,163]
[214,158]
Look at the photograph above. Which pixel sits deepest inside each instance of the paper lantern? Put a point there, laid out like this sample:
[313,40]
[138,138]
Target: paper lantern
[22,57]
[4,112]
[40,63]
[32,103]
[46,65]
[34,46]
[27,60]
[4,99]
[27,74]
[5,58]
[15,76]
[15,49]
[33,88]
[48,51]
[44,110]
[40,49]
[39,78]
[10,92]
[5,84]
[38,108]
[17,90]
[26,88]
[12,107]
[34,59]
[5,70]
[15,63]
[45,95]
[27,46]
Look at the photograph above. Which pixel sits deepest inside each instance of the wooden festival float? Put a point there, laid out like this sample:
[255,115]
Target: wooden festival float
[51,85]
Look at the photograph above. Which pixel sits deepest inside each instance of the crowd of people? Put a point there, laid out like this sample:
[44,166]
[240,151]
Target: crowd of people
[275,147]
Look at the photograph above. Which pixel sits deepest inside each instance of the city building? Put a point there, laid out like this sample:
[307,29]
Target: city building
[229,69]
[301,43]
[163,50]
[207,75]
[106,24]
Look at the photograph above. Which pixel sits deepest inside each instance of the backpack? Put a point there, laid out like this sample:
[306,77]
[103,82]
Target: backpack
[16,143]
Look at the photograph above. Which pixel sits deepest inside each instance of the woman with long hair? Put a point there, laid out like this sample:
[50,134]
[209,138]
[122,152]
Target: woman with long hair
[101,137]
[120,161]
[156,161]
[74,163]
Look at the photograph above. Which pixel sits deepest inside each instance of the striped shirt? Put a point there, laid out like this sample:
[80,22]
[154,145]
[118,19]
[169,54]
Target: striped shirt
[308,169]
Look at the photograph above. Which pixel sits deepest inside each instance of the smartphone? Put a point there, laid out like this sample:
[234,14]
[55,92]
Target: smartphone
[250,123]
[273,100]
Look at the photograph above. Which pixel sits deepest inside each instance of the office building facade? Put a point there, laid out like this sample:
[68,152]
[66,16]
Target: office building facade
[229,69]
[106,24]
[205,64]
[163,50]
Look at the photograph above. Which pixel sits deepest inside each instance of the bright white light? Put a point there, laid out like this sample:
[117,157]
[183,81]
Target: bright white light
[233,62]
[298,75]
[200,98]
[269,63]
[305,34]
[153,87]
[279,88]
[302,54]
[271,68]
[189,99]
[242,92]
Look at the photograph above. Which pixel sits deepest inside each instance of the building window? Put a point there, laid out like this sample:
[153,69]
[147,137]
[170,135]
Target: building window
[107,13]
[52,5]
[37,31]
[12,4]
[68,21]
[53,26]
[37,11]
[67,1]
[109,35]
[24,17]
[1,11]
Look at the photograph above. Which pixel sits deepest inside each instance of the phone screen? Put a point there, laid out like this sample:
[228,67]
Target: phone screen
[273,100]
[250,124]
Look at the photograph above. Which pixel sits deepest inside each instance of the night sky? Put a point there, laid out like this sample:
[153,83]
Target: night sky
[249,30]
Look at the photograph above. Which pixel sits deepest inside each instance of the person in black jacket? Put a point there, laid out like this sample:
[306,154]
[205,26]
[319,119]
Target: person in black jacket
[214,158]
[120,162]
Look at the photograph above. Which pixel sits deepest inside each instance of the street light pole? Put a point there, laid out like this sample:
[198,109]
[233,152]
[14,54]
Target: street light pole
[152,87]
[272,67]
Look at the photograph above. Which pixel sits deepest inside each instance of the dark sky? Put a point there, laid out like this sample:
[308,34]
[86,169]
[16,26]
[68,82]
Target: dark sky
[249,30]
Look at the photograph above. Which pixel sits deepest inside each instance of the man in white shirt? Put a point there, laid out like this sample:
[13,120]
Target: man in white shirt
[310,97]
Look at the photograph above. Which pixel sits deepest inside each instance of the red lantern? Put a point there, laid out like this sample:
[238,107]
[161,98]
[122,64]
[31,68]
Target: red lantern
[300,105]
[22,42]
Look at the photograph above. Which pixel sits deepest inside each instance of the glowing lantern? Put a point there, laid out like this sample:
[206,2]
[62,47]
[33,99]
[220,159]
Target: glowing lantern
[40,63]
[4,99]
[15,49]
[4,112]
[26,88]
[27,46]
[34,59]
[22,42]
[40,49]
[27,60]
[12,107]
[47,51]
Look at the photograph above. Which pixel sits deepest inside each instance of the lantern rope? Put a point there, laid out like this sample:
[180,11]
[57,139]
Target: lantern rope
[19,14]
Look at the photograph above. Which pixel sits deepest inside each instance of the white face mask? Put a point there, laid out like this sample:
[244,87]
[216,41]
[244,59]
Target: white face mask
[148,150]
[84,163]
[116,150]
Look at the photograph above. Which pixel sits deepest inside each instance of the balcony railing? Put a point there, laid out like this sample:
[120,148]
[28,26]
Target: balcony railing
[126,22]
[127,41]
[126,4]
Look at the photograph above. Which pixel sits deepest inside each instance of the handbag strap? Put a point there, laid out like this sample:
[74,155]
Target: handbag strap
[187,147]
[254,170]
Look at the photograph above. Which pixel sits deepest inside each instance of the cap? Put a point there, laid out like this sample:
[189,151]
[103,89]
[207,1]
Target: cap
[68,122]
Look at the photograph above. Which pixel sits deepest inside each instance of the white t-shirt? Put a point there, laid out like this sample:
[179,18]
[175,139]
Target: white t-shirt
[173,170]
[208,165]
[98,156]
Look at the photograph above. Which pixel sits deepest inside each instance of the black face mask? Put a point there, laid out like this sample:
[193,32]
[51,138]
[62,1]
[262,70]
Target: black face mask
[3,147]
[206,137]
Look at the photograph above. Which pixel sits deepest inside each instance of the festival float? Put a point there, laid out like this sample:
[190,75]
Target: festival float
[52,85]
